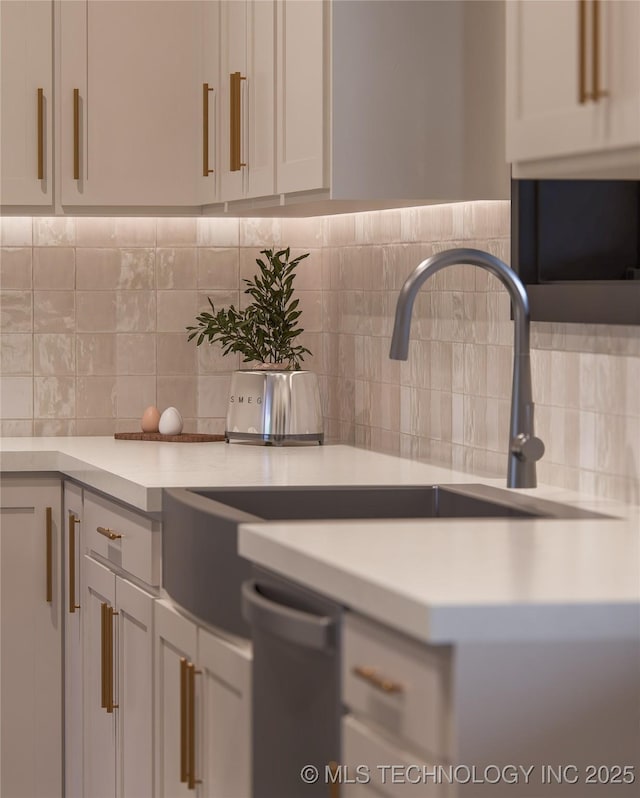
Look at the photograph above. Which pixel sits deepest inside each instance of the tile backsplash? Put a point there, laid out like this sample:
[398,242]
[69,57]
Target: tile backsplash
[93,311]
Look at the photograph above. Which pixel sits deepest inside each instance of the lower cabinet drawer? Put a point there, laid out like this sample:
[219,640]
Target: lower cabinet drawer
[126,538]
[374,766]
[402,685]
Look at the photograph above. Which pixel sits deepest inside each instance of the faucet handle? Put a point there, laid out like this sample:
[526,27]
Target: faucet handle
[527,447]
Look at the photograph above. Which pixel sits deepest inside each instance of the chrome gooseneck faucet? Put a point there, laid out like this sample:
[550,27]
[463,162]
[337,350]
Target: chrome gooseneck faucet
[524,448]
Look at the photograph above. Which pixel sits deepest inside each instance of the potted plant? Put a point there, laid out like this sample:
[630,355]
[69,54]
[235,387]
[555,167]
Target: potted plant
[273,400]
[265,332]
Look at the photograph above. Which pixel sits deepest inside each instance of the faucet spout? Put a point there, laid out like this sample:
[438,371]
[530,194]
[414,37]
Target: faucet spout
[524,448]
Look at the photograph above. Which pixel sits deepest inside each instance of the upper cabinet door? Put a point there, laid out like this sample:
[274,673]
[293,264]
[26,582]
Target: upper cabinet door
[417,100]
[26,102]
[301,96]
[247,76]
[545,73]
[131,102]
[621,28]
[573,88]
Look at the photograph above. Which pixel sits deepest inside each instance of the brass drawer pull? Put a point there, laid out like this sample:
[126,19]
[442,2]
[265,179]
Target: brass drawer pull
[380,682]
[108,533]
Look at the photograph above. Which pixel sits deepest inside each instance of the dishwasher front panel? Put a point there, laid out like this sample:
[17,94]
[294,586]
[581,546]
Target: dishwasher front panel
[296,686]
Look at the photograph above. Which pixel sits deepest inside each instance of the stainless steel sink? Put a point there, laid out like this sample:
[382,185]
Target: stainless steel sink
[201,568]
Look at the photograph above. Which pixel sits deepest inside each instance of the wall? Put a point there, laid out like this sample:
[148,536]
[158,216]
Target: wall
[92,316]
[450,401]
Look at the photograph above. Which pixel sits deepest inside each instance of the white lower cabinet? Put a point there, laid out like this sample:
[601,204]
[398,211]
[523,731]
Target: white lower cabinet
[30,624]
[226,716]
[375,765]
[203,709]
[398,697]
[487,719]
[72,609]
[118,685]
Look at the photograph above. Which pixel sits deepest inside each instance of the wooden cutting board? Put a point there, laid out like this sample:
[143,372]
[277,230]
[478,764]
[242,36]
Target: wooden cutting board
[184,437]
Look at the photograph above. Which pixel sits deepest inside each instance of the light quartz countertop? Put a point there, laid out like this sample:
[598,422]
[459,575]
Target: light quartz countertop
[438,580]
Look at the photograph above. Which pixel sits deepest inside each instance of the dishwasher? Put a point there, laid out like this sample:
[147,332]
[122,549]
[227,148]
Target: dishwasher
[296,686]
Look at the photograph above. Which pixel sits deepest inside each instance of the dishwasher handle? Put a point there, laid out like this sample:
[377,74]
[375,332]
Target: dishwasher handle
[296,626]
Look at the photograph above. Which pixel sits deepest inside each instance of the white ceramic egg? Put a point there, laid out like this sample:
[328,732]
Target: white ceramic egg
[170,422]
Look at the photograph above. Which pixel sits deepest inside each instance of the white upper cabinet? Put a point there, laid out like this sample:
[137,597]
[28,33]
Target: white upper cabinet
[26,102]
[573,88]
[195,103]
[131,103]
[301,137]
[247,67]
[384,100]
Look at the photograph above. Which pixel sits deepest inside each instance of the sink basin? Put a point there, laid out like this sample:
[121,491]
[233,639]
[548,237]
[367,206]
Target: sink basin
[201,568]
[387,501]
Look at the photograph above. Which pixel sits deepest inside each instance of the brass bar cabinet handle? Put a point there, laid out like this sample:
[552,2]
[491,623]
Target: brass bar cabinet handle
[205,130]
[76,134]
[109,657]
[72,563]
[40,134]
[334,783]
[598,91]
[108,533]
[103,652]
[49,573]
[183,720]
[191,764]
[235,122]
[583,94]
[380,682]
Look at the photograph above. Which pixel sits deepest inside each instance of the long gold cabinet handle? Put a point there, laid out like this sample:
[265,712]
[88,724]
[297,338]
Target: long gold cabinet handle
[192,781]
[583,94]
[49,555]
[76,134]
[372,676]
[107,654]
[103,651]
[183,720]
[334,785]
[108,533]
[235,122]
[40,134]
[72,563]
[205,130]
[597,91]
[188,673]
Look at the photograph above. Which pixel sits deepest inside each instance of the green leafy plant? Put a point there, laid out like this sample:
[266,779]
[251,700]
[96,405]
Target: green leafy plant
[266,330]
